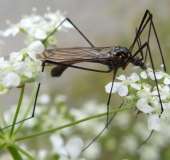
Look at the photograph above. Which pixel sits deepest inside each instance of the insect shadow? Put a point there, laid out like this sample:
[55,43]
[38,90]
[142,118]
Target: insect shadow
[113,57]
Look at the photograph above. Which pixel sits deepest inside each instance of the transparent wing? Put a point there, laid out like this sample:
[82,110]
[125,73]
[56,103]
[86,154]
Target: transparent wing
[74,55]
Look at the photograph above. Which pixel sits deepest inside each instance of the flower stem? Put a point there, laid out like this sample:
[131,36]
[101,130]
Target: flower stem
[2,116]
[2,145]
[71,124]
[23,152]
[28,108]
[17,111]
[14,153]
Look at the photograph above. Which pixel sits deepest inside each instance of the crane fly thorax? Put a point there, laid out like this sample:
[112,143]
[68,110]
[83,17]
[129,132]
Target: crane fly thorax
[119,56]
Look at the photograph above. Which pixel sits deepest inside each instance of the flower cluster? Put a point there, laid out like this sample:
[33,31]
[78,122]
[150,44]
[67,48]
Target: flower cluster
[144,97]
[37,27]
[22,67]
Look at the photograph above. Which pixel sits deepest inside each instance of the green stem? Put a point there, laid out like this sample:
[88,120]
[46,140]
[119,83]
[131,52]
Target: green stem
[14,153]
[17,111]
[1,135]
[2,146]
[71,124]
[23,152]
[2,116]
[28,108]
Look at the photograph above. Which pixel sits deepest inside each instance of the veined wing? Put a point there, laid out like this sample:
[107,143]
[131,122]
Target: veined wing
[74,55]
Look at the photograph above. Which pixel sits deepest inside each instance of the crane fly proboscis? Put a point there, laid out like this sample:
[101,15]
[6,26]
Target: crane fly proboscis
[113,57]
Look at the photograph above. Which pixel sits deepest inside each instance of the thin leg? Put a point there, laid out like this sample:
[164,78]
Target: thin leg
[147,18]
[156,82]
[102,129]
[110,94]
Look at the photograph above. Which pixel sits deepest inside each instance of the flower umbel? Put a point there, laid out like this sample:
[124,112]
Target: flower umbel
[22,67]
[143,97]
[38,27]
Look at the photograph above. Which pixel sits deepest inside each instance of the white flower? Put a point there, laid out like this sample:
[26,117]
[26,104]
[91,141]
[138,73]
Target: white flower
[166,78]
[21,68]
[16,56]
[13,31]
[149,73]
[122,87]
[11,80]
[74,149]
[37,46]
[154,122]
[145,93]
[37,27]
[164,92]
[142,105]
[42,153]
[40,34]
[44,99]
[71,150]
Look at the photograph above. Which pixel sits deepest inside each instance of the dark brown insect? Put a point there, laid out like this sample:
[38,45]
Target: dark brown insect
[114,58]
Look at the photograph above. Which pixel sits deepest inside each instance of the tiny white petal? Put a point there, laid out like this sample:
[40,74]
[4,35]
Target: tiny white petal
[136,86]
[17,56]
[38,63]
[11,80]
[19,67]
[15,30]
[40,34]
[166,89]
[121,77]
[74,148]
[37,46]
[146,108]
[123,91]
[44,99]
[164,97]
[4,65]
[144,75]
[135,77]
[28,74]
[42,153]
[157,74]
[154,123]
[147,88]
[155,93]
[143,106]
[116,87]
[32,55]
[166,81]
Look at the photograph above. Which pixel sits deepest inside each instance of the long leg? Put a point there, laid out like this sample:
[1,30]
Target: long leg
[147,18]
[139,51]
[156,82]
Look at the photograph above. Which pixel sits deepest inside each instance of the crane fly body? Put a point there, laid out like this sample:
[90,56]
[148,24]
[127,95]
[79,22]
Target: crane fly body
[113,57]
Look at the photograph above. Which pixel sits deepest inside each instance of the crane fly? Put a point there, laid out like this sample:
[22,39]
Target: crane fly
[113,57]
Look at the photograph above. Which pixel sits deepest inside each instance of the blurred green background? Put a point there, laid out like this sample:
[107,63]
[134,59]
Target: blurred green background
[105,23]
